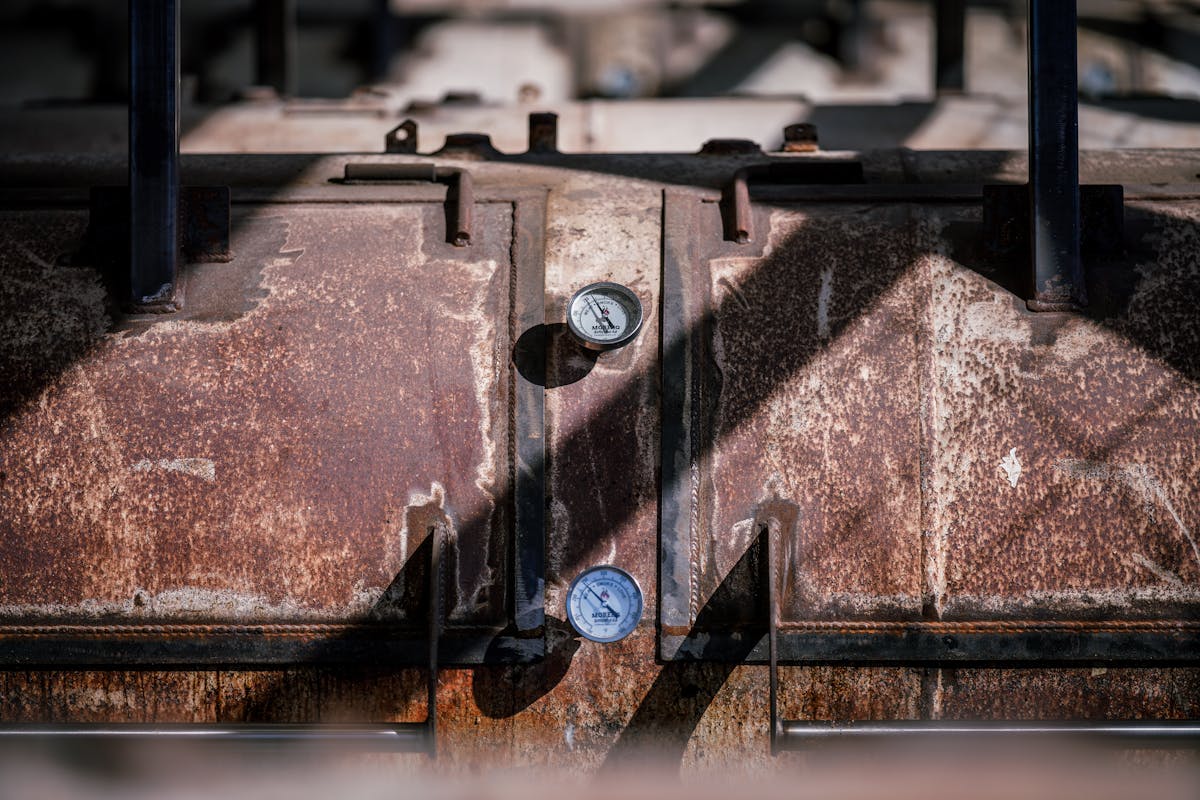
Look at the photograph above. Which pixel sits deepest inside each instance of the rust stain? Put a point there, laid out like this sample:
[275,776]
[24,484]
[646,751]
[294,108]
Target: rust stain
[1095,417]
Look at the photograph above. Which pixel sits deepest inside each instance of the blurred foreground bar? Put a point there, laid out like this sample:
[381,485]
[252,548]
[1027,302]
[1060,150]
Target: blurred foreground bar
[397,738]
[1134,734]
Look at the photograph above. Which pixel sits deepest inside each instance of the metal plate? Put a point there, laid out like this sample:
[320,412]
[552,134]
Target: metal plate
[252,480]
[973,482]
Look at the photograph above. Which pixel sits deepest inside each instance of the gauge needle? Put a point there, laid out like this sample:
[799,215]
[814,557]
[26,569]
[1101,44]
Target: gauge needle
[600,314]
[603,602]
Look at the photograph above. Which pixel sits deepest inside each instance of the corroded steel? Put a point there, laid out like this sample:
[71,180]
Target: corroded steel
[847,370]
[348,381]
[289,477]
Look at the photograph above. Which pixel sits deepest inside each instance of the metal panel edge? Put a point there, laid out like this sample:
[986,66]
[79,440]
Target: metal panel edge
[679,417]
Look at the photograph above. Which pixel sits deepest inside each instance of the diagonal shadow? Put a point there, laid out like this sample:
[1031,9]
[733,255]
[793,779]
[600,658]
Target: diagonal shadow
[659,731]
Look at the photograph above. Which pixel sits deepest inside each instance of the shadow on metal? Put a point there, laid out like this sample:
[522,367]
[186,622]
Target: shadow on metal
[659,731]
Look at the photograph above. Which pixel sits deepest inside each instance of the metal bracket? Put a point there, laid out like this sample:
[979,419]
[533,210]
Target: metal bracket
[402,138]
[460,192]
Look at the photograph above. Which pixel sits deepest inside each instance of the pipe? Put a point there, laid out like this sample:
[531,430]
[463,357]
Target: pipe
[397,738]
[950,22]
[1136,734]
[275,29]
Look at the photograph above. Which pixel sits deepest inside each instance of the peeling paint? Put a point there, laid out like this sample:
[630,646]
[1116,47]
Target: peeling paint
[824,295]
[202,468]
[1011,466]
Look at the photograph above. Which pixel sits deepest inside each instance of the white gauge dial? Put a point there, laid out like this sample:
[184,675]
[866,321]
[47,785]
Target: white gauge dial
[604,604]
[604,316]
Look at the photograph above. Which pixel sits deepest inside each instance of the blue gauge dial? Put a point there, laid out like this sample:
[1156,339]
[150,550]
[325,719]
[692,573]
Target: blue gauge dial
[604,604]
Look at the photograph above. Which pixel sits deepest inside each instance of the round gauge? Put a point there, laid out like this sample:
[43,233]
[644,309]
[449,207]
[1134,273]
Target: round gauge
[604,604]
[604,316]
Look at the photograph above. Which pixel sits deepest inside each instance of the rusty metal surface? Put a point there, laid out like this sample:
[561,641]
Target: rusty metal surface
[1077,496]
[798,394]
[842,417]
[277,452]
[1094,692]
[867,394]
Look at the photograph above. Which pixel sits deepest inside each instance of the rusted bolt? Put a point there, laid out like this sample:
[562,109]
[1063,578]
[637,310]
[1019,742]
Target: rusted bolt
[800,138]
[736,209]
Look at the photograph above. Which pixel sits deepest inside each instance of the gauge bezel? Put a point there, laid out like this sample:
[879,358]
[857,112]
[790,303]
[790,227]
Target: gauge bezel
[637,588]
[592,343]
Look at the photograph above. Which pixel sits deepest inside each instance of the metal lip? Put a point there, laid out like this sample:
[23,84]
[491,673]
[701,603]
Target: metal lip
[596,568]
[591,343]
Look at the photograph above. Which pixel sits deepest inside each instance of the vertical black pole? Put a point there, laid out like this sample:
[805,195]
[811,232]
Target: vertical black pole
[1054,157]
[153,149]
[383,38]
[275,26]
[950,21]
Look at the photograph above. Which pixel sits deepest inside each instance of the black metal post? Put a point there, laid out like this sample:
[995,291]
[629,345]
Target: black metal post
[950,22]
[153,150]
[1054,157]
[275,28]
[384,38]
[429,729]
